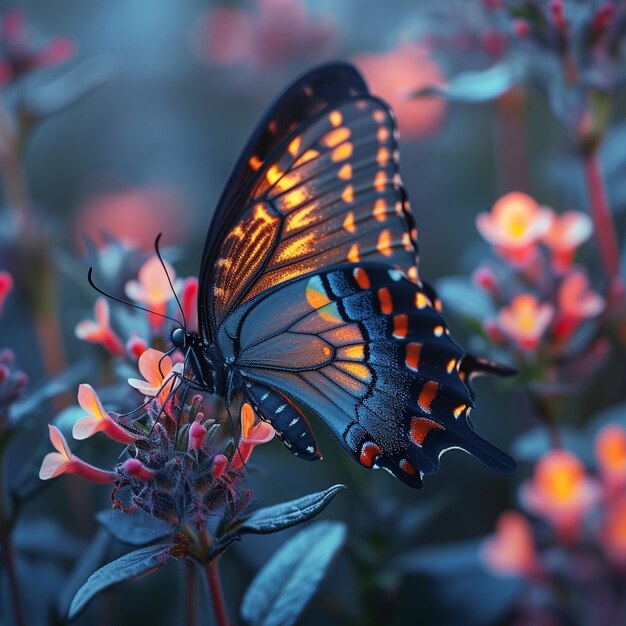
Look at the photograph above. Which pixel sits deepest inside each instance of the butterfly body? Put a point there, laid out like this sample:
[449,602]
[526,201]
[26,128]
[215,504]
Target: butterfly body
[310,303]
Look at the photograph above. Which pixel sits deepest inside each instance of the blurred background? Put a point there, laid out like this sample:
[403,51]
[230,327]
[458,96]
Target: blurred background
[132,129]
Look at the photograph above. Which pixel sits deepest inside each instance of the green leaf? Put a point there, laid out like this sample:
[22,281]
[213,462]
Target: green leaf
[131,565]
[474,87]
[282,589]
[137,529]
[286,514]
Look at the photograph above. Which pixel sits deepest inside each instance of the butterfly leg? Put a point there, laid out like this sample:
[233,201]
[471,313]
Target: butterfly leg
[290,424]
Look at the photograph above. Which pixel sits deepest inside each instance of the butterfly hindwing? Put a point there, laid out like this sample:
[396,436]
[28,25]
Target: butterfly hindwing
[362,348]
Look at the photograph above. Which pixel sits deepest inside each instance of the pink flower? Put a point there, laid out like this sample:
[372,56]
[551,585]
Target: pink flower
[197,433]
[153,290]
[97,419]
[610,447]
[514,226]
[63,461]
[576,303]
[566,233]
[19,57]
[136,469]
[393,75]
[485,278]
[136,345]
[612,534]
[253,433]
[99,331]
[511,551]
[189,302]
[157,369]
[561,492]
[525,320]
[6,285]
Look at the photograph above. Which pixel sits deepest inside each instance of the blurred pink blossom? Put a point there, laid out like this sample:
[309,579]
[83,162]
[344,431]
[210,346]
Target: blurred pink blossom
[566,233]
[273,32]
[560,492]
[525,320]
[6,285]
[610,448]
[133,216]
[514,226]
[18,55]
[153,290]
[511,551]
[393,75]
[612,534]
[99,331]
[576,302]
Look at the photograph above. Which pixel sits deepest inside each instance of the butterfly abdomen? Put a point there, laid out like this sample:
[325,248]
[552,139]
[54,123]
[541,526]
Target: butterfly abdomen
[292,428]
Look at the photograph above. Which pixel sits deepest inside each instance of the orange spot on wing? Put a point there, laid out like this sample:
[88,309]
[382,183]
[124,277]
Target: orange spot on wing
[412,359]
[439,330]
[384,243]
[406,467]
[361,277]
[420,427]
[380,181]
[421,301]
[412,274]
[379,116]
[427,395]
[348,194]
[353,253]
[358,370]
[255,163]
[309,155]
[335,118]
[451,365]
[345,173]
[459,409]
[382,134]
[294,146]
[368,455]
[384,297]
[342,152]
[335,137]
[400,326]
[273,174]
[380,210]
[352,353]
[316,294]
[348,222]
[382,157]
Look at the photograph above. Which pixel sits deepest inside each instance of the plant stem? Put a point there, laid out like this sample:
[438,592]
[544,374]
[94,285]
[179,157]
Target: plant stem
[604,228]
[190,595]
[215,590]
[9,561]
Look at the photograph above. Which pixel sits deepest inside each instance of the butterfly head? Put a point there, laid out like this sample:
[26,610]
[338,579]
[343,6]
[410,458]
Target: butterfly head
[179,338]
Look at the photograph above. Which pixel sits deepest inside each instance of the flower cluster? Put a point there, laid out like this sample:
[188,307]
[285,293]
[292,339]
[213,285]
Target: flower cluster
[18,56]
[179,465]
[572,527]
[542,296]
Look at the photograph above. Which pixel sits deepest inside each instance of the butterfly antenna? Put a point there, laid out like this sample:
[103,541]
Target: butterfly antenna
[126,302]
[169,280]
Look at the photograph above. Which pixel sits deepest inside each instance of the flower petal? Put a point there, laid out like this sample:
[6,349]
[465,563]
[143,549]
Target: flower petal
[89,401]
[59,442]
[53,464]
[86,427]
[260,433]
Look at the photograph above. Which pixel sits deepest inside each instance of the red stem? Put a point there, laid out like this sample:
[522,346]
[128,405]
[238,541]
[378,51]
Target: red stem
[604,227]
[215,589]
[9,560]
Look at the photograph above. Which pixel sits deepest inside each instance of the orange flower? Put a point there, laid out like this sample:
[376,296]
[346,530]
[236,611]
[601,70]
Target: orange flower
[560,492]
[153,290]
[64,461]
[253,433]
[97,419]
[576,302]
[611,454]
[525,320]
[6,284]
[99,331]
[514,226]
[394,75]
[566,233]
[157,369]
[511,551]
[613,532]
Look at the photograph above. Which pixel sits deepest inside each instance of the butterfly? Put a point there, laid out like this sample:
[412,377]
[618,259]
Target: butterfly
[310,304]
